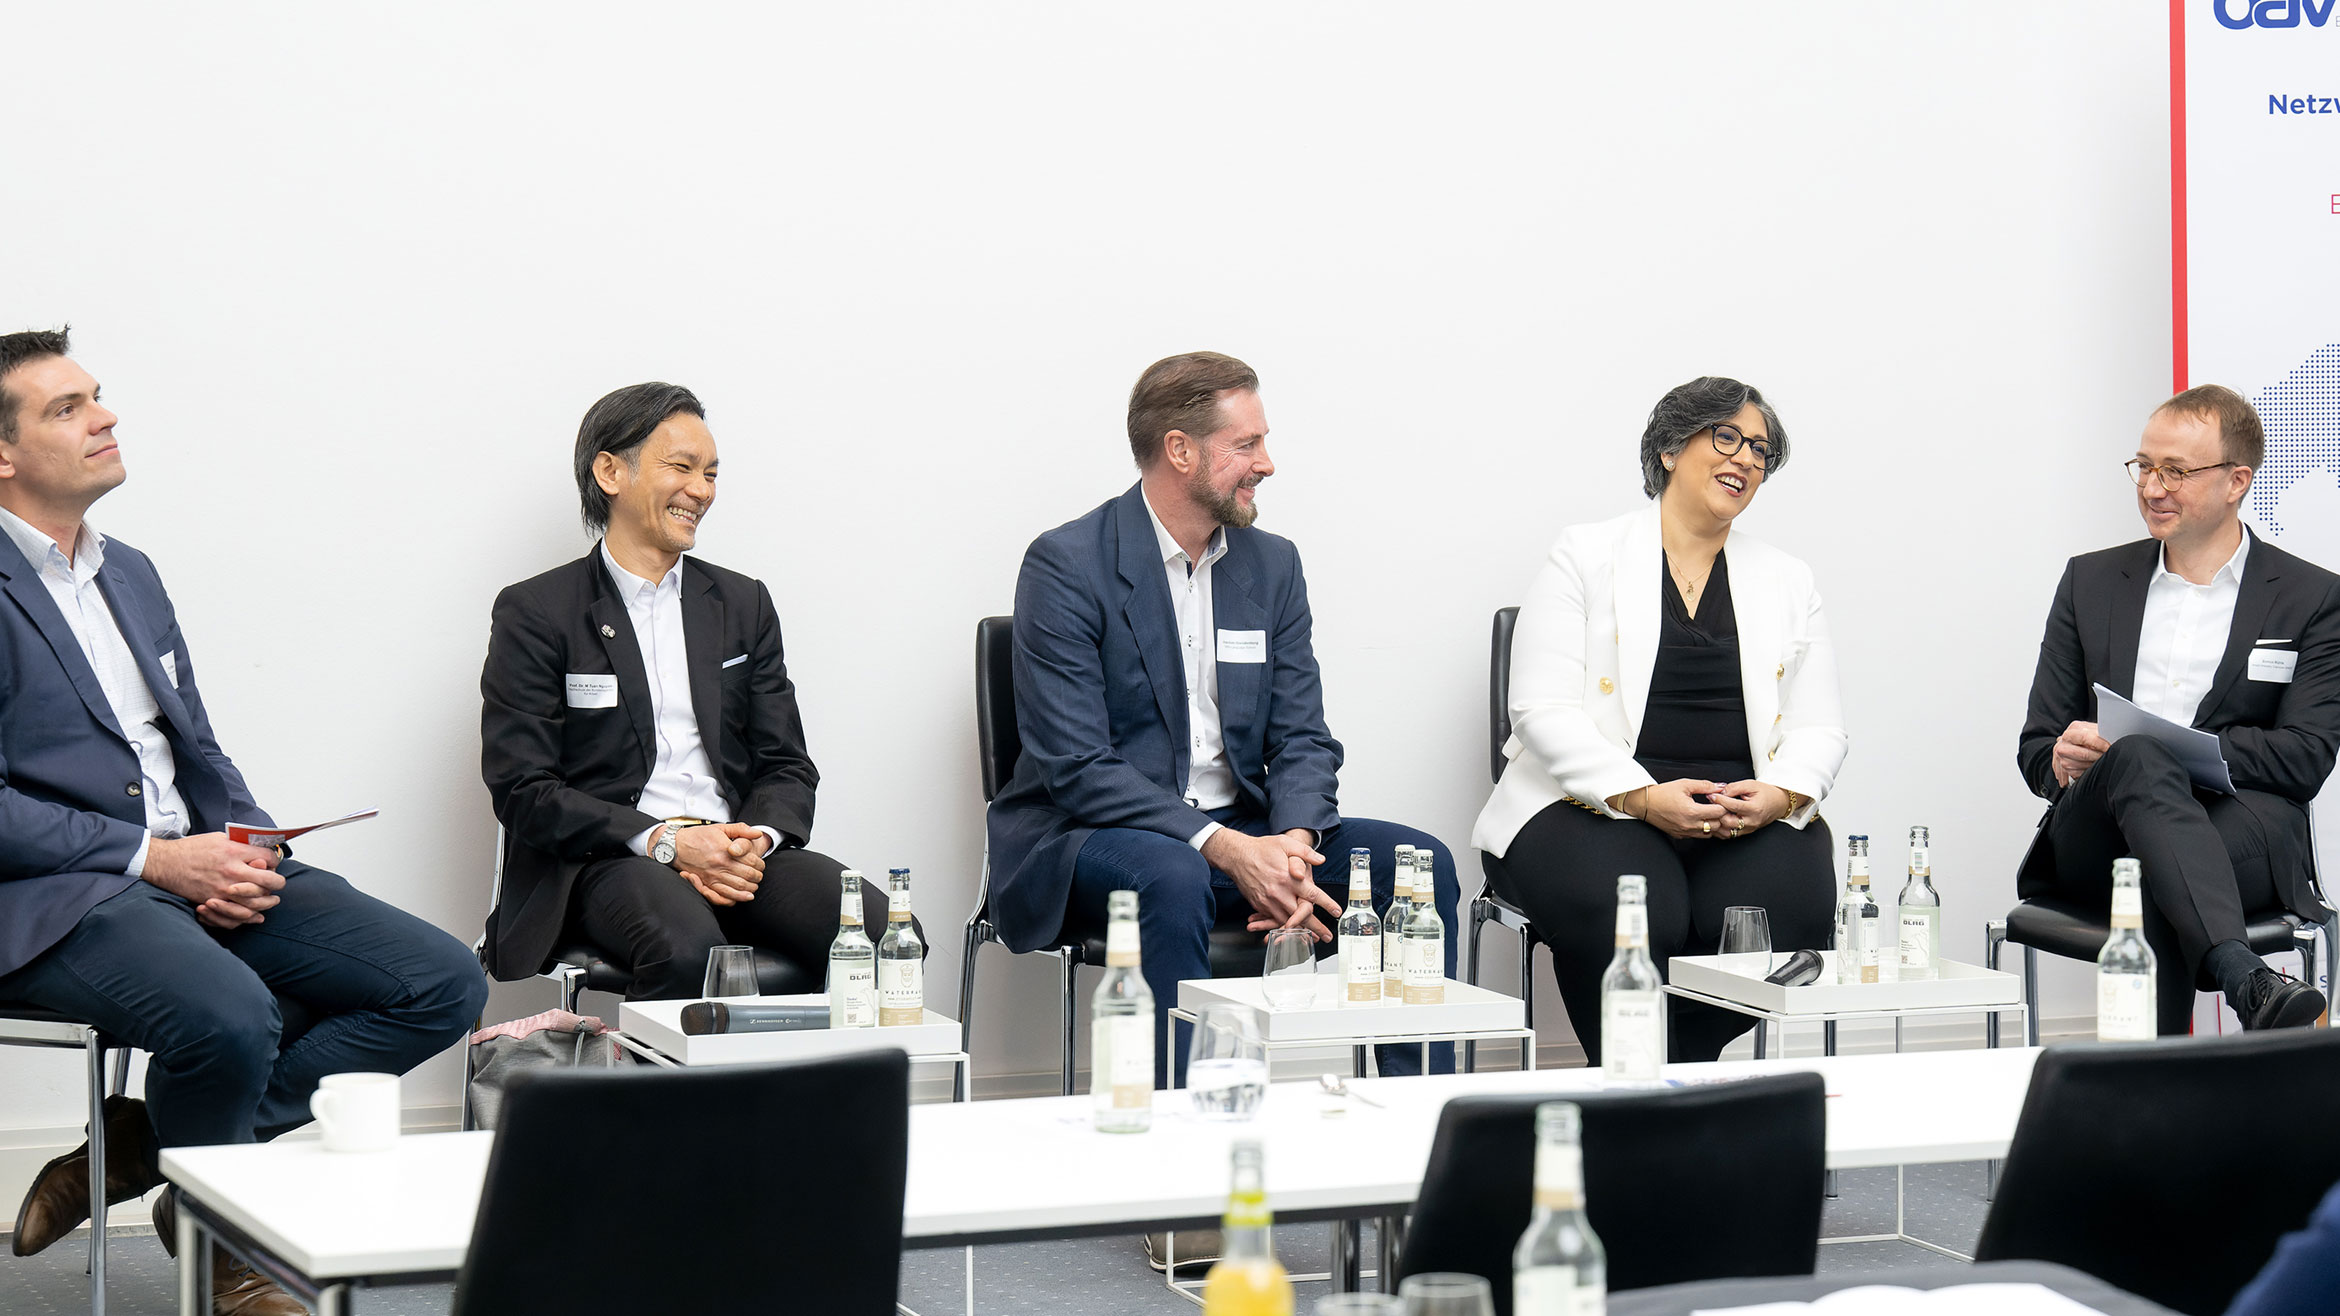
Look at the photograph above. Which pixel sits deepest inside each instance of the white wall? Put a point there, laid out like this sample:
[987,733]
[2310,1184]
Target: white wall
[351,276]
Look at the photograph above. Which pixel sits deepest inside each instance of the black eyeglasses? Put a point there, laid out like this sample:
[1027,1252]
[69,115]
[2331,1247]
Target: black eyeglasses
[2171,476]
[1728,440]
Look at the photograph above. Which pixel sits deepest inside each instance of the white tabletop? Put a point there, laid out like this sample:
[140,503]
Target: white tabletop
[1004,1168]
[1328,1018]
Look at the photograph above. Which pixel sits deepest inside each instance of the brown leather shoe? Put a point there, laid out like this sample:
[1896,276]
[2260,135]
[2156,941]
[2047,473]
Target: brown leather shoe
[58,1201]
[236,1289]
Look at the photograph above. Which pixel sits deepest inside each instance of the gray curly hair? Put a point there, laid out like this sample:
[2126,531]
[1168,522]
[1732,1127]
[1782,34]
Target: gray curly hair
[1704,402]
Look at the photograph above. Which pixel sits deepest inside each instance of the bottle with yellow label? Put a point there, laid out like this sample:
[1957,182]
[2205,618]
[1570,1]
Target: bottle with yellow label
[1248,1280]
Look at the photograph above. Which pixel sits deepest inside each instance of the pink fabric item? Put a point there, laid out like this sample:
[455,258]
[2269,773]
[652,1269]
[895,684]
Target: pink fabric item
[559,1019]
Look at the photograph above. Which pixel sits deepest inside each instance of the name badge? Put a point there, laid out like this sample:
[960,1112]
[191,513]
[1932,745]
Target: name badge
[1243,646]
[591,690]
[170,665]
[2274,665]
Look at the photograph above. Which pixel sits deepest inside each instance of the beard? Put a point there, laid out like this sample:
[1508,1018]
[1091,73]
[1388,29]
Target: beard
[1225,508]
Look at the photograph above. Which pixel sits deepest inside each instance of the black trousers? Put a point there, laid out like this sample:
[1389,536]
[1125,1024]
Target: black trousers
[2204,856]
[1562,870]
[642,911]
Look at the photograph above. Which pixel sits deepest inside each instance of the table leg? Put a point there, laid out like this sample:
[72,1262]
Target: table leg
[1347,1241]
[194,1266]
[1390,1232]
[1762,1035]
[1356,1062]
[1897,1034]
[333,1300]
[966,1079]
[1828,1047]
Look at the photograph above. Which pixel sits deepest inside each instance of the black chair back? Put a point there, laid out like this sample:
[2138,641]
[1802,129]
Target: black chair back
[996,741]
[1499,691]
[1721,1180]
[2170,1168]
[737,1188]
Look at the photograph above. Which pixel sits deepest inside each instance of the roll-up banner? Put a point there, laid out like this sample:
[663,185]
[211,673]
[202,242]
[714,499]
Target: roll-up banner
[2254,97]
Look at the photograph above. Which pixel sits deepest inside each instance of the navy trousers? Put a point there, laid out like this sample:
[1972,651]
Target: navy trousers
[379,990]
[1180,896]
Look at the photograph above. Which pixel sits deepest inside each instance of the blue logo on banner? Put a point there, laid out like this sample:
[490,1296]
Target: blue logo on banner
[2239,14]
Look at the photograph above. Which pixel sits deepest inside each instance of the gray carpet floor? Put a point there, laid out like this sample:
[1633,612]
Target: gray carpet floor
[1944,1204]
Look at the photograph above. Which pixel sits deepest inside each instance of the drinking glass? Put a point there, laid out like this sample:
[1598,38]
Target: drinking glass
[1289,975]
[1746,931]
[1447,1294]
[1226,1068]
[1361,1304]
[731,971]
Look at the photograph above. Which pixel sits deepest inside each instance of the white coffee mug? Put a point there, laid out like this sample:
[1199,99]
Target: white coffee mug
[358,1112]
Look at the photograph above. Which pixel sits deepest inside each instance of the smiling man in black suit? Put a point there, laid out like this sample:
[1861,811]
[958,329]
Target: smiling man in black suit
[640,736]
[2210,627]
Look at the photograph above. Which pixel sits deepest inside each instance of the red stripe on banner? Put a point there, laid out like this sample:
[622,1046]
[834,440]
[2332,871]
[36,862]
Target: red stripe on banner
[2177,194]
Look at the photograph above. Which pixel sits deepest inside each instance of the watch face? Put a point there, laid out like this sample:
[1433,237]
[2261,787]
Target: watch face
[663,852]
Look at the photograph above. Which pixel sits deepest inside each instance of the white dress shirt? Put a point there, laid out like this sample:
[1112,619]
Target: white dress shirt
[73,584]
[2184,636]
[682,779]
[1210,782]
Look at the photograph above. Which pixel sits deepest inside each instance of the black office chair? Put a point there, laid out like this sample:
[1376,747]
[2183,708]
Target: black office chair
[1720,1180]
[1235,950]
[1488,905]
[2169,1168]
[2078,932]
[763,1188]
[576,967]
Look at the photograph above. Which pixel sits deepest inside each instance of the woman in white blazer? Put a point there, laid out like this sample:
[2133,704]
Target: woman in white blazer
[1674,713]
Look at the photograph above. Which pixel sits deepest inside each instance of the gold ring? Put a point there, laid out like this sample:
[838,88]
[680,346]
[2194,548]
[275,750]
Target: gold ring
[1706,827]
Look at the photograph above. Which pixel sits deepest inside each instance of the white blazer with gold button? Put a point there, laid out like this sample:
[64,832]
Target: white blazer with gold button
[1586,644]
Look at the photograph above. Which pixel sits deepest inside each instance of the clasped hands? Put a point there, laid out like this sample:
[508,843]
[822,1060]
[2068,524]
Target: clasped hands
[1275,873]
[229,883]
[1731,810]
[723,862]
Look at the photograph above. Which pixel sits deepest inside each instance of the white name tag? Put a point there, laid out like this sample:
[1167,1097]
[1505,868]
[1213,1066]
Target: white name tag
[170,666]
[1243,646]
[2274,664]
[588,690]
[734,662]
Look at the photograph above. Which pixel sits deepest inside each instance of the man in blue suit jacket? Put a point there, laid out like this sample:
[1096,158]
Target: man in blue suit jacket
[1170,710]
[247,976]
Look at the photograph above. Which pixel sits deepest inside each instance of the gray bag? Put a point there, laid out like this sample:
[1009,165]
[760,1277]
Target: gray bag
[509,1053]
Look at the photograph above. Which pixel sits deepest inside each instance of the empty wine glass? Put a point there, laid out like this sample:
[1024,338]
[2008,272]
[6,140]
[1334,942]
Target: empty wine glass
[1443,1293]
[1746,931]
[1289,974]
[1226,1068]
[731,971]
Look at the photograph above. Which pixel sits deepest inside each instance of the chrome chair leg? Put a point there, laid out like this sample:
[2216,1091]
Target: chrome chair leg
[2030,996]
[975,940]
[94,1053]
[1994,939]
[1065,968]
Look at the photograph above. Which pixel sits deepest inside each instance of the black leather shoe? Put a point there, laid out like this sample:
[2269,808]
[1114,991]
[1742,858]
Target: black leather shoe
[2279,1002]
[58,1201]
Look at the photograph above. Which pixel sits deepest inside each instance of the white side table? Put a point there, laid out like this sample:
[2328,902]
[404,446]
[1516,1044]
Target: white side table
[653,1030]
[1469,1014]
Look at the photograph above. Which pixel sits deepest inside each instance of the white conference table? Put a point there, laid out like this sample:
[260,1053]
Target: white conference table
[324,1223]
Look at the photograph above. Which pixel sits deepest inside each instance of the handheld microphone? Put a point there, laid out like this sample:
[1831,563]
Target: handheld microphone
[1801,968]
[703,1017]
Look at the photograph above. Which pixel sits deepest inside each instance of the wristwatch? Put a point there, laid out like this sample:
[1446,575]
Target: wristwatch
[662,844]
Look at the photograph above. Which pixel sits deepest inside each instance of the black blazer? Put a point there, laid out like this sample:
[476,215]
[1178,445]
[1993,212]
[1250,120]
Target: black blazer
[565,780]
[2279,738]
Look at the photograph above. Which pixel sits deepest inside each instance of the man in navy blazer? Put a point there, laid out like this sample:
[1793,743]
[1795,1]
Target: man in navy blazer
[1171,713]
[247,975]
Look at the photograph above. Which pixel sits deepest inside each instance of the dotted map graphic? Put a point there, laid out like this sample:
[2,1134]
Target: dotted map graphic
[2302,418]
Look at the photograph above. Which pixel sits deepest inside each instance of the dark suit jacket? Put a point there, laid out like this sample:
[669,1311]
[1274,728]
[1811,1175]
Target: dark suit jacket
[2279,738]
[71,815]
[1101,705]
[565,780]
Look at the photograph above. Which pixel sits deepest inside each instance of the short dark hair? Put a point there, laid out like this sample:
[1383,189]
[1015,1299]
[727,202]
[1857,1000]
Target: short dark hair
[2241,438]
[1703,403]
[619,424]
[22,349]
[1182,393]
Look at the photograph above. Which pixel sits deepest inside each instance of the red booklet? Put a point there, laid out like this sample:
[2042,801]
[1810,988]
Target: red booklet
[268,838]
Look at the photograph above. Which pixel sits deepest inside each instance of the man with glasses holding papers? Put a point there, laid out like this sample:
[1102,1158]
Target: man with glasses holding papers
[2210,627]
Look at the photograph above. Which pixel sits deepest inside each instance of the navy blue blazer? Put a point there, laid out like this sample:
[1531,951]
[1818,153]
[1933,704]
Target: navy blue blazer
[70,809]
[1101,705]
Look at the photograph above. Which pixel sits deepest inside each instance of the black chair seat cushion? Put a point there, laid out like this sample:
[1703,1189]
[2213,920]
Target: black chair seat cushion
[775,975]
[2070,930]
[1236,951]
